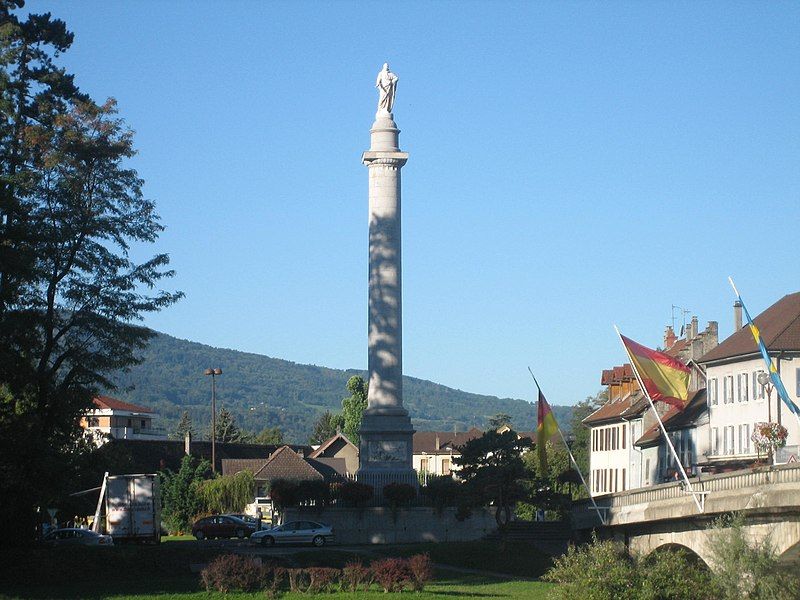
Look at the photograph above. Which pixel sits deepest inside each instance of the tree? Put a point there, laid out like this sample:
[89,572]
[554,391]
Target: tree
[492,469]
[227,429]
[185,425]
[353,407]
[499,420]
[226,494]
[180,500]
[325,427]
[71,296]
[268,436]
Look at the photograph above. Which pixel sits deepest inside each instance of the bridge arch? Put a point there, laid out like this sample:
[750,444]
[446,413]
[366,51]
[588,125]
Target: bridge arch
[676,547]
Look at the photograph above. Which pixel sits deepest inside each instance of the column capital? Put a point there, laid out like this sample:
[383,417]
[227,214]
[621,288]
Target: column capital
[394,159]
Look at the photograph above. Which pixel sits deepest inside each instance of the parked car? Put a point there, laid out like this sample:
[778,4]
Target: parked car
[74,536]
[295,532]
[246,518]
[221,526]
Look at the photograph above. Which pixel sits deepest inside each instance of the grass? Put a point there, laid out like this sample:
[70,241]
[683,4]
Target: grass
[137,572]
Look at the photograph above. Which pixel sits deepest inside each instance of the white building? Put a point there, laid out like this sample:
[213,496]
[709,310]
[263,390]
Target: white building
[112,418]
[737,400]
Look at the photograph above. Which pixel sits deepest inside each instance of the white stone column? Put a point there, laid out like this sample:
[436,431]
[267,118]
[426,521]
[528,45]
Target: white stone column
[386,431]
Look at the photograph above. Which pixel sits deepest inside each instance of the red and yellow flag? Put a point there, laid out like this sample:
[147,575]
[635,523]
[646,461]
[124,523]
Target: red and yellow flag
[665,378]
[546,429]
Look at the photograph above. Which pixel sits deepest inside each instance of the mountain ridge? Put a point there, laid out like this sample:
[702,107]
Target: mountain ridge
[262,391]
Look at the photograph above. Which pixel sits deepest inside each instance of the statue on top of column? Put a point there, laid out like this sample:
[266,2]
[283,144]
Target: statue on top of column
[387,85]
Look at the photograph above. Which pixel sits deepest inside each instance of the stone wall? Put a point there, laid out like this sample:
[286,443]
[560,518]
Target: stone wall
[379,525]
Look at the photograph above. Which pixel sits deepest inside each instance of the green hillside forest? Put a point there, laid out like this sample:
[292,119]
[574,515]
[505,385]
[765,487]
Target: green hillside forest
[266,392]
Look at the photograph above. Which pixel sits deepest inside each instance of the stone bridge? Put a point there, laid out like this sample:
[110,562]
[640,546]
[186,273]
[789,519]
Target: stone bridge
[664,516]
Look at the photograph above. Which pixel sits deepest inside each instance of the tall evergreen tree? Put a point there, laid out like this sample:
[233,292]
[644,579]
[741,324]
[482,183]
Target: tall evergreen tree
[185,425]
[227,429]
[71,296]
[326,426]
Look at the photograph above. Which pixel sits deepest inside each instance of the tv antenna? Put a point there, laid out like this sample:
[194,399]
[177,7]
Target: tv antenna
[684,312]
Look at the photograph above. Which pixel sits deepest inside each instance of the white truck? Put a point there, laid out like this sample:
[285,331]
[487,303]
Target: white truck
[133,507]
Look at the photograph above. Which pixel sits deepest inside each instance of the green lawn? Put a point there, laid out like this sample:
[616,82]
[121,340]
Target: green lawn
[128,572]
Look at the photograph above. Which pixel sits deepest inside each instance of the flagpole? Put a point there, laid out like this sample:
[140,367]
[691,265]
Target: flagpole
[660,422]
[770,366]
[572,458]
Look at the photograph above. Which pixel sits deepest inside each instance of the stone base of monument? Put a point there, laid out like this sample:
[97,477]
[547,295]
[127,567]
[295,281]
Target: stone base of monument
[382,525]
[385,453]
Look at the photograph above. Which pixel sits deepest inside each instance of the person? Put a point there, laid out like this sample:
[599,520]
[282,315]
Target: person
[387,85]
[258,518]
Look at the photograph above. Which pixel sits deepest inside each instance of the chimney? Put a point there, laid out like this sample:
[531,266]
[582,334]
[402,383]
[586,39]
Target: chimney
[187,443]
[669,338]
[737,316]
[712,336]
[694,329]
[437,442]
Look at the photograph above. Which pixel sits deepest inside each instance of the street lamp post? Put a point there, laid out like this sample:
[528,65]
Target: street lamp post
[213,373]
[766,385]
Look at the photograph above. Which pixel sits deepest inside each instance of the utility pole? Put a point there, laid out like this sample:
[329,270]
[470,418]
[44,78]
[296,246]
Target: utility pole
[213,373]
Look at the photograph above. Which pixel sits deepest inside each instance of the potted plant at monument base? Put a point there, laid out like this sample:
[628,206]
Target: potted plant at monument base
[768,437]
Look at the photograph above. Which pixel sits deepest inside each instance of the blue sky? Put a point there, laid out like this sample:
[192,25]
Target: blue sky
[572,165]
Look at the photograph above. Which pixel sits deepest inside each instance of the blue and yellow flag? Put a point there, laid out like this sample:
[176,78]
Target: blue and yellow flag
[773,372]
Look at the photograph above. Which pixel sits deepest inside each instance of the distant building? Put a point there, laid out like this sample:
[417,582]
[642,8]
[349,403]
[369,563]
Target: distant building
[339,447]
[114,419]
[737,400]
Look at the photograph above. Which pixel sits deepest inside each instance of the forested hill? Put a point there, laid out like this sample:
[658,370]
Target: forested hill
[266,392]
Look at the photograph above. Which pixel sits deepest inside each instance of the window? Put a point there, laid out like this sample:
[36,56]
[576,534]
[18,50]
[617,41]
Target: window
[614,438]
[746,427]
[743,391]
[623,480]
[623,442]
[715,441]
[615,480]
[797,382]
[445,466]
[647,472]
[728,442]
[94,422]
[758,390]
[727,389]
[130,423]
[712,391]
[144,423]
[424,464]
[608,438]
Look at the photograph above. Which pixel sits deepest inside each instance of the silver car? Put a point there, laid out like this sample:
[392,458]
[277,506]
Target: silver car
[74,536]
[295,532]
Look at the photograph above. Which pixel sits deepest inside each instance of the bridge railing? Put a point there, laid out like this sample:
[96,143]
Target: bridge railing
[705,483]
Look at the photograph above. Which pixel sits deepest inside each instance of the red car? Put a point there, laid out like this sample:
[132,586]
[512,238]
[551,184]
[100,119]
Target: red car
[221,526]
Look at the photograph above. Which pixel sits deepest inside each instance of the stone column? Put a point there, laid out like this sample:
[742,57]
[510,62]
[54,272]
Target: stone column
[386,432]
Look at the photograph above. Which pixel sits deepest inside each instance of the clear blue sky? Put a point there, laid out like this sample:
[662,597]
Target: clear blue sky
[572,165]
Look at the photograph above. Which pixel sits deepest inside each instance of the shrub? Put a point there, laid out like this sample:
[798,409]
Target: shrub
[659,582]
[353,493]
[354,574]
[421,567]
[284,493]
[399,494]
[392,574]
[299,580]
[600,571]
[314,491]
[745,569]
[441,491]
[232,572]
[322,579]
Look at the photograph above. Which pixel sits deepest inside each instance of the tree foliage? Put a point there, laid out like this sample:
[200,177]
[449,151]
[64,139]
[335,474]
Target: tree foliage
[353,407]
[325,427]
[227,493]
[492,469]
[185,425]
[499,420]
[71,296]
[267,436]
[226,429]
[180,498]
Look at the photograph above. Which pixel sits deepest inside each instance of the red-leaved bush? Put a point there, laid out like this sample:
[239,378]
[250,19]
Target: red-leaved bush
[392,574]
[232,572]
[421,567]
[354,575]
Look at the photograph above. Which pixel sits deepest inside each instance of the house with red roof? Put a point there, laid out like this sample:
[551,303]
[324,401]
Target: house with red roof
[115,419]
[740,394]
